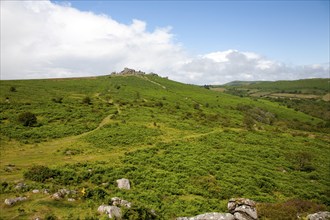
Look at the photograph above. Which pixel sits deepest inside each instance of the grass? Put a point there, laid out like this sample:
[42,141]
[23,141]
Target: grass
[185,149]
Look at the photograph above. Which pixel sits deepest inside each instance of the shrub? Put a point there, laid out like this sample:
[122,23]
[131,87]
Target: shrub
[95,194]
[57,99]
[87,100]
[288,210]
[27,119]
[40,173]
[302,161]
[50,216]
[139,213]
[12,89]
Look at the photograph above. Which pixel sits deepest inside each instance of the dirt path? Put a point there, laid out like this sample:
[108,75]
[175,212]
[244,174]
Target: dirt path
[156,83]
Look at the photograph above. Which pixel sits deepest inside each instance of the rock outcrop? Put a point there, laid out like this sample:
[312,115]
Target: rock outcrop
[209,216]
[111,211]
[123,184]
[12,201]
[128,71]
[240,209]
[243,209]
[319,216]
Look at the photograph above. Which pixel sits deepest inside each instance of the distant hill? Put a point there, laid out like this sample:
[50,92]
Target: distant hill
[311,96]
[185,149]
[242,83]
[300,85]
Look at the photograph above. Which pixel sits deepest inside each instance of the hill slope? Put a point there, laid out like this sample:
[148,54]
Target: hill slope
[185,149]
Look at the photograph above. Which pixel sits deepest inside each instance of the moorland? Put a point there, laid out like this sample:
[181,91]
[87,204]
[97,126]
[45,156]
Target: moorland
[186,149]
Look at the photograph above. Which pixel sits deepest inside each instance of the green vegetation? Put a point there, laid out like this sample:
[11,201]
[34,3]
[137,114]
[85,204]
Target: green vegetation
[185,149]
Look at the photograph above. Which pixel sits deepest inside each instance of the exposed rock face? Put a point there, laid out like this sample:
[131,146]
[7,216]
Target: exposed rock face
[123,184]
[12,201]
[210,216]
[120,202]
[111,211]
[319,216]
[243,209]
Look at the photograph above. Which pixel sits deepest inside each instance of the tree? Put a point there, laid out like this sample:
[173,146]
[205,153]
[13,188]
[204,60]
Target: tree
[27,119]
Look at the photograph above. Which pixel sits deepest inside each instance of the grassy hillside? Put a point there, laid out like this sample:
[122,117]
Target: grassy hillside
[185,149]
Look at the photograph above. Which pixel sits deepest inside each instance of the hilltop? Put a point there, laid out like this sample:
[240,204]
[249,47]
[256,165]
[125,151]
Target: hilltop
[185,149]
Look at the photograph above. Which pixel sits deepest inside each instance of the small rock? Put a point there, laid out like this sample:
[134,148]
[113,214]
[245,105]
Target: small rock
[12,201]
[35,191]
[57,196]
[20,186]
[71,199]
[120,202]
[123,184]
[319,216]
[46,191]
[105,184]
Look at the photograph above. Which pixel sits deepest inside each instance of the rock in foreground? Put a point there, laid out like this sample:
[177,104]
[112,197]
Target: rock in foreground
[240,209]
[111,211]
[319,216]
[243,209]
[210,216]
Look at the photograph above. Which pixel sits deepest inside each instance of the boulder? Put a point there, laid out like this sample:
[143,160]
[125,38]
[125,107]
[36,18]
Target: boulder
[71,200]
[12,201]
[243,209]
[123,184]
[319,216]
[120,202]
[35,191]
[111,211]
[210,216]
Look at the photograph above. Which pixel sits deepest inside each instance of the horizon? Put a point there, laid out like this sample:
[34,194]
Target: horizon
[193,42]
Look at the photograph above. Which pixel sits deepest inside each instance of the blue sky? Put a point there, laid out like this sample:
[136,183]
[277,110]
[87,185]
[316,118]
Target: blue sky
[198,42]
[289,31]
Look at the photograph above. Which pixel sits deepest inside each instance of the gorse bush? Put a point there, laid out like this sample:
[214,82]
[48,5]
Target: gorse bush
[87,100]
[288,210]
[27,119]
[40,173]
[12,89]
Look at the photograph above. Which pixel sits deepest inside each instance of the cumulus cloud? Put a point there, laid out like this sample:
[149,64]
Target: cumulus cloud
[41,39]
[225,66]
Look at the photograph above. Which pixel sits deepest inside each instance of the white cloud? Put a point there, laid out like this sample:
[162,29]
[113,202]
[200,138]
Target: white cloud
[224,66]
[40,39]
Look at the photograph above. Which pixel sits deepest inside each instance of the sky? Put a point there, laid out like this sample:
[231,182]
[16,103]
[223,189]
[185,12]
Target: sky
[197,42]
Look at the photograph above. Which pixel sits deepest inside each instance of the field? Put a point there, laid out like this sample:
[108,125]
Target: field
[185,149]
